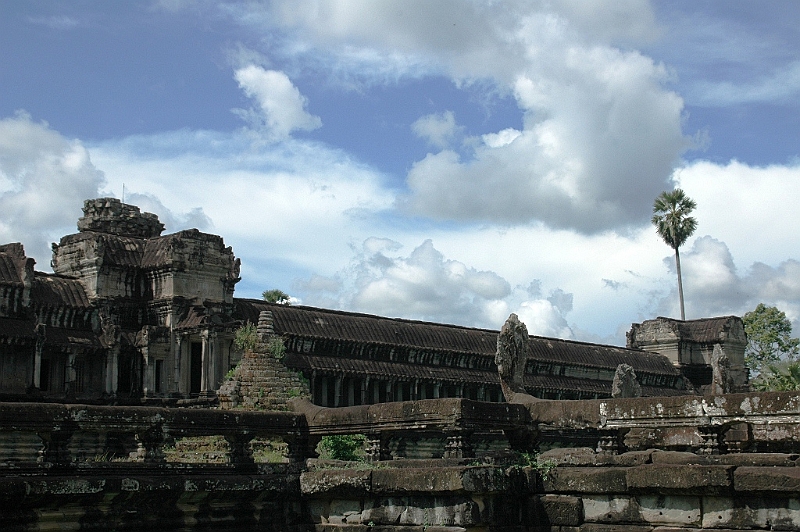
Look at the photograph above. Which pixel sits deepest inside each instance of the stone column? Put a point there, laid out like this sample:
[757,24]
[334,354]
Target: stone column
[364,390]
[337,390]
[177,351]
[112,370]
[324,392]
[208,378]
[40,332]
[69,375]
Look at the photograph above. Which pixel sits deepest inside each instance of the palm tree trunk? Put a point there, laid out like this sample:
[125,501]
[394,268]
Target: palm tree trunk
[680,284]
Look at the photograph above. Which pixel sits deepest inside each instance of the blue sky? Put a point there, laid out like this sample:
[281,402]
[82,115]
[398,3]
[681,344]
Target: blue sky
[451,161]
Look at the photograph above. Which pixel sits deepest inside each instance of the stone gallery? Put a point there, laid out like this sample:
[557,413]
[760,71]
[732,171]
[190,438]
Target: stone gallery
[133,316]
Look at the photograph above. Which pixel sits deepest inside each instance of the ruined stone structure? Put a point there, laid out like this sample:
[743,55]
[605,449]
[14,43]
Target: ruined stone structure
[724,463]
[690,346]
[127,312]
[130,316]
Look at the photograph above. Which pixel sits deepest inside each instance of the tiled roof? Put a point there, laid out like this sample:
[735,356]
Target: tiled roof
[376,368]
[595,355]
[707,330]
[55,290]
[296,320]
[72,338]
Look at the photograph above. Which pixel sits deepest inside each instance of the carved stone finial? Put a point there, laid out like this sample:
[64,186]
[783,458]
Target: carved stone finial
[511,357]
[721,378]
[625,383]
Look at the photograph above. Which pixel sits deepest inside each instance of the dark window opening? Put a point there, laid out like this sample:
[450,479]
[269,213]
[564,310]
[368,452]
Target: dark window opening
[196,368]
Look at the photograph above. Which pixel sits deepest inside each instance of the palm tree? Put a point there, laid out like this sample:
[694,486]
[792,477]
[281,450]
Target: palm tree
[671,217]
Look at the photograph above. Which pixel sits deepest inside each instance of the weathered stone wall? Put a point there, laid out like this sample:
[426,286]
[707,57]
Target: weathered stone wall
[69,482]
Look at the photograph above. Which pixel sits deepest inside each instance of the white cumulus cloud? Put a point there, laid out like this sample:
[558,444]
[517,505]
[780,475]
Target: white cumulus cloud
[44,179]
[281,107]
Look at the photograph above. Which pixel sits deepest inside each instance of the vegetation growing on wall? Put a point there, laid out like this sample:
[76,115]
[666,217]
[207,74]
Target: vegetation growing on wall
[349,447]
[276,295]
[246,337]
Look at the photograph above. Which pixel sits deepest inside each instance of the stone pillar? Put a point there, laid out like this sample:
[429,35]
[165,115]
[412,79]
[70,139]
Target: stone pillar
[710,437]
[209,376]
[239,451]
[389,391]
[41,333]
[148,372]
[436,390]
[69,375]
[177,350]
[608,441]
[112,370]
[324,392]
[377,447]
[337,390]
[458,445]
[364,390]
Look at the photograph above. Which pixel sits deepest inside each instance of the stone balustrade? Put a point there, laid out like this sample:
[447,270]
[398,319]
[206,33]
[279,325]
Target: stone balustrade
[72,433]
[53,482]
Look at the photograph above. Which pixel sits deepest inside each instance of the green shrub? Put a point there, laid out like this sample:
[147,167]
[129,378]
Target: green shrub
[276,347]
[246,337]
[347,447]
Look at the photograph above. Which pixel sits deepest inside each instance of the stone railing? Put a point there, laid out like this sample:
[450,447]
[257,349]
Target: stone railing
[61,435]
[609,485]
[456,422]
[712,424]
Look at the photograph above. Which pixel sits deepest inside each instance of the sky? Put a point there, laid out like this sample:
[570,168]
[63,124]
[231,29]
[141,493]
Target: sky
[448,161]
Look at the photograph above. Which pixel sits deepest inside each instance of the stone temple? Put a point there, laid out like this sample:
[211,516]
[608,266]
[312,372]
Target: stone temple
[133,316]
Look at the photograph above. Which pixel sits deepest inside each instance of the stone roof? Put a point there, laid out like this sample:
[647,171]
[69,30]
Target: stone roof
[310,322]
[12,259]
[58,291]
[707,330]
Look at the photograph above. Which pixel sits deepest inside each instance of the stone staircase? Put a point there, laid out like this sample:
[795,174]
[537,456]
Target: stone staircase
[261,381]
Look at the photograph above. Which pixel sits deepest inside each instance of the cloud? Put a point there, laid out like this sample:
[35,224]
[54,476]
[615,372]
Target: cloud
[781,86]
[195,218]
[438,129]
[714,286]
[44,179]
[750,208]
[426,285]
[600,141]
[282,109]
[423,285]
[56,22]
[602,132]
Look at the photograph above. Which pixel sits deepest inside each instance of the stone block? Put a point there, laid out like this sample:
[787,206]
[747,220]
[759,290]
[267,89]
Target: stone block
[422,511]
[324,482]
[562,510]
[586,480]
[677,457]
[775,479]
[610,509]
[775,513]
[670,509]
[342,511]
[684,478]
[439,479]
[574,456]
[597,527]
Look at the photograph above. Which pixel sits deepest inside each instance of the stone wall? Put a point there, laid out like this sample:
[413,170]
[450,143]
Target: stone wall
[77,477]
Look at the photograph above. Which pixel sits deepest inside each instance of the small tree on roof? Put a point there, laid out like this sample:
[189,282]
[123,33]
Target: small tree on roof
[276,295]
